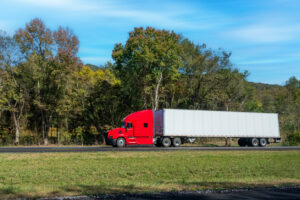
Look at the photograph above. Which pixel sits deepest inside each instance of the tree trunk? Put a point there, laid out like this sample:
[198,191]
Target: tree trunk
[44,128]
[17,128]
[57,135]
[17,141]
[156,92]
[45,139]
[67,125]
[227,140]
[145,99]
[226,106]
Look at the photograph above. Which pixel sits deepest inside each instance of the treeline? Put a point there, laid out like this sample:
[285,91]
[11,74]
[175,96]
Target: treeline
[48,96]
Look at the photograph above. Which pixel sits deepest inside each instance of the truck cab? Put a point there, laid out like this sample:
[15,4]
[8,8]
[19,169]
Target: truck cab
[136,129]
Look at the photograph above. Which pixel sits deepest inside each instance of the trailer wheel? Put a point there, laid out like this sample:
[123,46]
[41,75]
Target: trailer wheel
[166,142]
[121,142]
[254,142]
[176,142]
[262,142]
[242,142]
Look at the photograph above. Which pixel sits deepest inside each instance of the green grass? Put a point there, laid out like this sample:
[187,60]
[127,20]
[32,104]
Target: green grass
[56,174]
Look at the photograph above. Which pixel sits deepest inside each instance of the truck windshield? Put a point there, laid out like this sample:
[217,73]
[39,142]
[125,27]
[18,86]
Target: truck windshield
[123,124]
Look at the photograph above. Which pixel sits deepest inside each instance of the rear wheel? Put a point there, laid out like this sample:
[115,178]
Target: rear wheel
[166,142]
[262,142]
[121,142]
[176,142]
[254,142]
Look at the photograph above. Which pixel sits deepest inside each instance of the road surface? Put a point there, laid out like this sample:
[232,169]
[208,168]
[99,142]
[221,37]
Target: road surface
[108,148]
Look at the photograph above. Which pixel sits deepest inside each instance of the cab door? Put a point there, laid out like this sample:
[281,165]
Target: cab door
[129,129]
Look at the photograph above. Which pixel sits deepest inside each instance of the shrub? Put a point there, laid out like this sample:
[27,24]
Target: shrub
[293,139]
[27,140]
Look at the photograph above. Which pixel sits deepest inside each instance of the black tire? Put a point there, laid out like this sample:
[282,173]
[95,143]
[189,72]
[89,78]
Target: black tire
[121,142]
[254,142]
[262,142]
[158,142]
[166,142]
[242,142]
[176,142]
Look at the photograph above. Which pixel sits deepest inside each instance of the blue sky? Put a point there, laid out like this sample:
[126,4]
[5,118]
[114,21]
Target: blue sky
[263,35]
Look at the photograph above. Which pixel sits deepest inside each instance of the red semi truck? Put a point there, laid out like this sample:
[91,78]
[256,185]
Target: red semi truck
[172,127]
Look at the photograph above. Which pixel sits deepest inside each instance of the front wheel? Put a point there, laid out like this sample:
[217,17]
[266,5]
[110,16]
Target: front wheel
[121,142]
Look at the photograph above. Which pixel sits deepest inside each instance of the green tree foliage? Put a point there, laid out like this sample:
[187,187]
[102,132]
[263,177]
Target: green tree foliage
[99,93]
[12,99]
[284,100]
[291,110]
[50,59]
[12,92]
[149,61]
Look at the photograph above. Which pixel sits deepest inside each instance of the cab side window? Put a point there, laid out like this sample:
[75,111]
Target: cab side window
[129,125]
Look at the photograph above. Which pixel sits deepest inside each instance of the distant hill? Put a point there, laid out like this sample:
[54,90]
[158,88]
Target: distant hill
[93,67]
[265,86]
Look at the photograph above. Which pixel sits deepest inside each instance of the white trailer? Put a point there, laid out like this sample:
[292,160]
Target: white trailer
[252,129]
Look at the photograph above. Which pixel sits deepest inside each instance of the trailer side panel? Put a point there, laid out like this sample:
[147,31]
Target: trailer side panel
[201,123]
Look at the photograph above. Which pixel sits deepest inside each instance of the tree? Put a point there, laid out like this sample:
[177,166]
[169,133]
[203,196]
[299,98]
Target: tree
[146,63]
[66,44]
[12,99]
[234,94]
[99,95]
[50,59]
[293,102]
[12,93]
[204,72]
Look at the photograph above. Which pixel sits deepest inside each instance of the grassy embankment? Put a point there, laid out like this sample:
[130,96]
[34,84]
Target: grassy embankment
[57,174]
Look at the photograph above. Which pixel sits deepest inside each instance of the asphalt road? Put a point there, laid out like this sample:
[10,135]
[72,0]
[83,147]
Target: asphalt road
[108,148]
